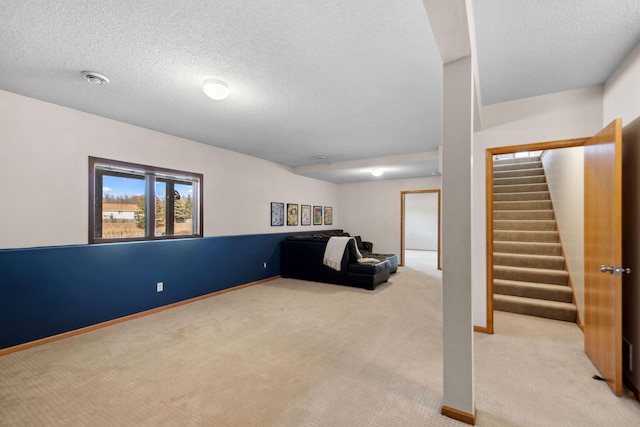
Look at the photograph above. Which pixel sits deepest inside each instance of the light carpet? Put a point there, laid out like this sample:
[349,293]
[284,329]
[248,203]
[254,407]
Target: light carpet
[296,353]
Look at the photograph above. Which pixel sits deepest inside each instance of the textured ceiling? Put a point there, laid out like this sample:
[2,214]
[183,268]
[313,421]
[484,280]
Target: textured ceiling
[348,80]
[530,48]
[343,79]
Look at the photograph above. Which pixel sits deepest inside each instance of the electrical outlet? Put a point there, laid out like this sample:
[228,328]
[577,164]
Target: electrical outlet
[264,265]
[159,287]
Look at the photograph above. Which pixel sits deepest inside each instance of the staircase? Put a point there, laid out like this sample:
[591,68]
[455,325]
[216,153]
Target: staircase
[529,275]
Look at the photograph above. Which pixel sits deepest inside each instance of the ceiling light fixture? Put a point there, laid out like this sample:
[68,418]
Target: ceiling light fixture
[95,78]
[216,89]
[377,172]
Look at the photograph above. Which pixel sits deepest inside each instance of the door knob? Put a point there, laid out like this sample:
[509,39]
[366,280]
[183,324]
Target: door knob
[617,270]
[604,269]
[620,270]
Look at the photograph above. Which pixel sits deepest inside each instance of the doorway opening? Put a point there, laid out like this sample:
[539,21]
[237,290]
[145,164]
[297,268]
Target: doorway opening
[490,155]
[420,228]
[602,240]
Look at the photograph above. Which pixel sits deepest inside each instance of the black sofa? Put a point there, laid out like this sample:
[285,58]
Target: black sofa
[366,249]
[301,257]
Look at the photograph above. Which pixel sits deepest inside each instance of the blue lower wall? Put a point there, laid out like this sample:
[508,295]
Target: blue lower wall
[51,290]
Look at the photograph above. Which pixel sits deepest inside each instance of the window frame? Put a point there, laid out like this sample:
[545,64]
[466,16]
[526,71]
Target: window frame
[151,175]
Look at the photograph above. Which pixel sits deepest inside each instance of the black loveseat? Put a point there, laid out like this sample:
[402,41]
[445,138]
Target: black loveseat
[301,257]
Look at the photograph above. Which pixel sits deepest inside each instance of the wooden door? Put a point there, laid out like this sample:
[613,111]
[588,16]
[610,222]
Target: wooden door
[603,247]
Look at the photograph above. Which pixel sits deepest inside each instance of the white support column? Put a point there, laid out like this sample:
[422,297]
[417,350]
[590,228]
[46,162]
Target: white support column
[452,22]
[457,134]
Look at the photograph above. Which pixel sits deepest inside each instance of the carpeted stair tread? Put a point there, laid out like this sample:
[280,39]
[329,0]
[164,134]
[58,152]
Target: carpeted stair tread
[518,172]
[526,236]
[528,264]
[534,195]
[535,205]
[516,166]
[520,180]
[513,160]
[535,307]
[540,214]
[524,224]
[543,291]
[551,262]
[533,248]
[525,274]
[516,188]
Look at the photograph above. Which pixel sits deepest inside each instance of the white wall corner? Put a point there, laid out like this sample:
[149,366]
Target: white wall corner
[620,99]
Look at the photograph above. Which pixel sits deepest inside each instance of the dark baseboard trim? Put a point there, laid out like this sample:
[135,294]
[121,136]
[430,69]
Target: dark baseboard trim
[101,325]
[456,414]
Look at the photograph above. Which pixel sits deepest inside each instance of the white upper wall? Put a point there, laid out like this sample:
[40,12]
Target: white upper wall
[564,115]
[44,175]
[540,115]
[564,169]
[622,91]
[372,209]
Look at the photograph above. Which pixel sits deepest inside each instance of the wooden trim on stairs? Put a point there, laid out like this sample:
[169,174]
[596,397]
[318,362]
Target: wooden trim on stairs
[537,146]
[563,143]
[97,326]
[574,300]
[489,253]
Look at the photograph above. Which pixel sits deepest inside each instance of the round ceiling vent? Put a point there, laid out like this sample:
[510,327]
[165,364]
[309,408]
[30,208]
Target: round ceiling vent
[95,78]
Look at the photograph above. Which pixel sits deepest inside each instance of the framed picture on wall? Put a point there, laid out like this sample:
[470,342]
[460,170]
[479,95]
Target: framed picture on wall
[317,215]
[328,215]
[305,215]
[277,213]
[292,214]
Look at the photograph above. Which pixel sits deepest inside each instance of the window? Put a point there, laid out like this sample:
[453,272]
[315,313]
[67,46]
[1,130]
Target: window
[130,202]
